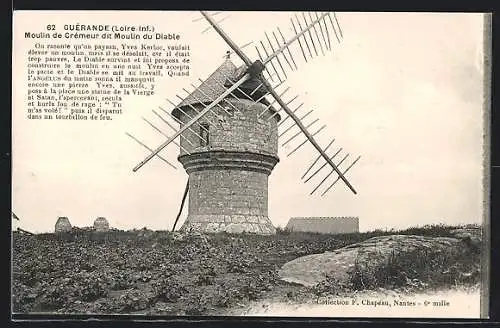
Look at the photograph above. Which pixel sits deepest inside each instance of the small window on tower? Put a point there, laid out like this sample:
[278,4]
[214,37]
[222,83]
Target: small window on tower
[205,138]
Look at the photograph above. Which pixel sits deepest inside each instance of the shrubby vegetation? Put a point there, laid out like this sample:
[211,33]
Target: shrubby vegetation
[157,272]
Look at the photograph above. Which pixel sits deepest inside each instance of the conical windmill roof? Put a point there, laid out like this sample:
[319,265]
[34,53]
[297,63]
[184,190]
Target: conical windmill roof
[211,88]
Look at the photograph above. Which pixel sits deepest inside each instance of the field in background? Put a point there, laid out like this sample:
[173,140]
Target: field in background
[158,272]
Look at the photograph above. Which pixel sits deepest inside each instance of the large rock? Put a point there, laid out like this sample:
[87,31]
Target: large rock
[472,236]
[312,269]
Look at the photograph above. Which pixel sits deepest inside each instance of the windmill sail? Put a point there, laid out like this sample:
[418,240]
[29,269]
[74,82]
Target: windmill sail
[255,69]
[311,32]
[310,137]
[194,120]
[252,81]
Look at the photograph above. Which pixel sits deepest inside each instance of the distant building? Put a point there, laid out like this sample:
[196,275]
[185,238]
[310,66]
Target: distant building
[101,224]
[63,224]
[327,225]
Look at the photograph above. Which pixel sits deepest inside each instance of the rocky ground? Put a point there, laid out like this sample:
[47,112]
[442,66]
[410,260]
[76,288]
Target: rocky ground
[160,273]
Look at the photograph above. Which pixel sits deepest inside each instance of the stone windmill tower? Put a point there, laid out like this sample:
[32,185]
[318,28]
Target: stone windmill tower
[229,132]
[229,166]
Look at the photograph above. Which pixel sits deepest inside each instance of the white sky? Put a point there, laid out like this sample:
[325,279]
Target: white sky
[404,91]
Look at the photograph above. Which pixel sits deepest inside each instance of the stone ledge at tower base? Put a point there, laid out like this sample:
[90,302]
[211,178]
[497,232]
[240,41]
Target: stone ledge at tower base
[229,223]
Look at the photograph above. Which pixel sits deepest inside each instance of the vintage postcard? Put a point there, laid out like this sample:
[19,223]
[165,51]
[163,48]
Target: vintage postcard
[312,164]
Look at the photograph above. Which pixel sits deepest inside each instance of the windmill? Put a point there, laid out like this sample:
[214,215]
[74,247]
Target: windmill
[231,125]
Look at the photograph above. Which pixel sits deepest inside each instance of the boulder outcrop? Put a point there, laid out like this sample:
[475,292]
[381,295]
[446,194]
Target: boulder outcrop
[367,256]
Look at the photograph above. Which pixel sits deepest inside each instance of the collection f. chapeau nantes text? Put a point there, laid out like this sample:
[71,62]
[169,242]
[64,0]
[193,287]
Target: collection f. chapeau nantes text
[100,31]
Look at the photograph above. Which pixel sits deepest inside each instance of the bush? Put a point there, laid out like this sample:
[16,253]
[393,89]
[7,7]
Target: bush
[22,298]
[169,289]
[419,268]
[283,231]
[331,286]
[134,300]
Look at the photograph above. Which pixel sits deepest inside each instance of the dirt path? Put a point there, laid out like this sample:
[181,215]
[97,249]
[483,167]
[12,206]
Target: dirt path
[457,303]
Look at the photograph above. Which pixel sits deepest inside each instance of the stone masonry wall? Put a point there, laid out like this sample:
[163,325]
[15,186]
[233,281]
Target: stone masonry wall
[228,192]
[243,130]
[228,178]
